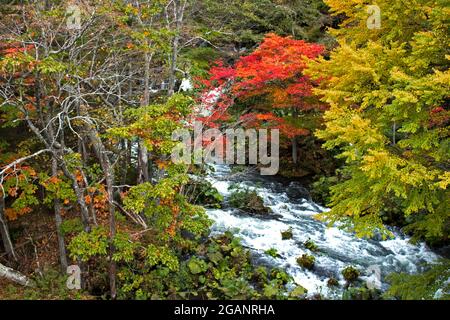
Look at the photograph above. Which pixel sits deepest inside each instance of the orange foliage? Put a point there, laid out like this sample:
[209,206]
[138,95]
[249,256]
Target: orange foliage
[12,214]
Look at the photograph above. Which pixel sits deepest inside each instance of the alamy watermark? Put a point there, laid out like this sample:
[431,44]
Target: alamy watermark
[74,279]
[73,21]
[229,147]
[374,280]
[374,19]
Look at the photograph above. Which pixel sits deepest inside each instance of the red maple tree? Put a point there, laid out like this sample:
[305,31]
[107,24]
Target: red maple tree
[270,81]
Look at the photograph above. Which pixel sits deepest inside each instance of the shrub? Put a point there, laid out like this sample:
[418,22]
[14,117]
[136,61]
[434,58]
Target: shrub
[51,285]
[360,294]
[320,190]
[217,268]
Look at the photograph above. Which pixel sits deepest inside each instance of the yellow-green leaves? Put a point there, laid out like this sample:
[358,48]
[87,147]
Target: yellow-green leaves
[86,245]
[162,255]
[388,92]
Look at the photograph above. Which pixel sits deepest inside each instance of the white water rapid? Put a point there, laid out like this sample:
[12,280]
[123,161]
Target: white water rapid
[337,249]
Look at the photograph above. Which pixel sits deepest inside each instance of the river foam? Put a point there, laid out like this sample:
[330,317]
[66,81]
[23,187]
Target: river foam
[337,248]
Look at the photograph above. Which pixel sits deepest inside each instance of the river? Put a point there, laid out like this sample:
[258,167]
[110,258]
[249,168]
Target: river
[338,249]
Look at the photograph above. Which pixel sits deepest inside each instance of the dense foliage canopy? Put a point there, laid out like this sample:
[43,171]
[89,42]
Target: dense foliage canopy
[91,93]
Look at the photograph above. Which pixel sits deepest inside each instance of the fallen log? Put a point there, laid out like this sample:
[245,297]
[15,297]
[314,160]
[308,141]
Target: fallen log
[14,276]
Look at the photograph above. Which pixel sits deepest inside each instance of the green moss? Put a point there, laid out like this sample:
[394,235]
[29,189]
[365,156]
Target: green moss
[310,245]
[202,192]
[306,261]
[273,253]
[248,201]
[332,282]
[287,235]
[238,169]
[298,293]
[351,274]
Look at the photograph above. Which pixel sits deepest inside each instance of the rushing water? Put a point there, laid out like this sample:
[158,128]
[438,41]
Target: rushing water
[292,208]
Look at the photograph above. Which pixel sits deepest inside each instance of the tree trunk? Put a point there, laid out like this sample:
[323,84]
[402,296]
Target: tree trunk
[125,161]
[58,222]
[100,152]
[57,150]
[143,174]
[4,230]
[394,133]
[14,276]
[173,64]
[80,196]
[294,139]
[179,9]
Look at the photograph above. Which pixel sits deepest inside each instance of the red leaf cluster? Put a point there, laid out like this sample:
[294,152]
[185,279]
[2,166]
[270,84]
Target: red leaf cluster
[273,74]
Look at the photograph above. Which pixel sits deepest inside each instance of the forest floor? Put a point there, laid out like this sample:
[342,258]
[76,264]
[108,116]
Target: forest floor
[36,247]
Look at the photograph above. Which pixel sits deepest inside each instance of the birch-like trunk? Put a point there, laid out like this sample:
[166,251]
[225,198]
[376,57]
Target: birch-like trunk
[100,152]
[4,230]
[294,140]
[14,276]
[58,222]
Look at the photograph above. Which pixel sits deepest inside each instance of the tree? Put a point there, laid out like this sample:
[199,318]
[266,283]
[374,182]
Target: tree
[53,83]
[269,84]
[388,117]
[64,89]
[238,26]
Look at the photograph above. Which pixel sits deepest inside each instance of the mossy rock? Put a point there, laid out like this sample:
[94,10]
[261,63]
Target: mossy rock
[332,282]
[306,261]
[351,274]
[202,192]
[298,293]
[238,169]
[273,253]
[317,297]
[249,201]
[310,245]
[287,235]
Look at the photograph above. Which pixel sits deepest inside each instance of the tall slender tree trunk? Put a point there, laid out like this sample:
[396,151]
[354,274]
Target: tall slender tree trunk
[294,139]
[124,161]
[112,230]
[58,222]
[143,173]
[80,199]
[173,64]
[394,133]
[180,6]
[100,152]
[4,230]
